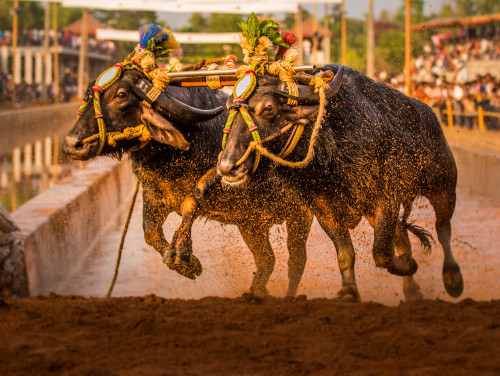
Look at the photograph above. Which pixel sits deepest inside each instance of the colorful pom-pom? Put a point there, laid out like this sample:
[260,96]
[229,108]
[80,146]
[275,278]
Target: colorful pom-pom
[162,37]
[289,38]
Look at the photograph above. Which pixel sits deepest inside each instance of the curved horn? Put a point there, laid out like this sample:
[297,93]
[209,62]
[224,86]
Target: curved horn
[330,91]
[174,108]
[171,107]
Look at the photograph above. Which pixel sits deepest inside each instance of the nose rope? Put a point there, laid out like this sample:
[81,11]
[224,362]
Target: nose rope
[252,127]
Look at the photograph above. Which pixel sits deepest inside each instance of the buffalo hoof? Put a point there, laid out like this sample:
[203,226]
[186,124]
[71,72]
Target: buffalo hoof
[256,291]
[453,281]
[403,265]
[348,294]
[191,269]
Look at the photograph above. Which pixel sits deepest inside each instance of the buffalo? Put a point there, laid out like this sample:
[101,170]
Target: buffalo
[377,151]
[185,144]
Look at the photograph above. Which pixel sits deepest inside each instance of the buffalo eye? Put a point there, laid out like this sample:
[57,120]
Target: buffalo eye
[268,108]
[121,94]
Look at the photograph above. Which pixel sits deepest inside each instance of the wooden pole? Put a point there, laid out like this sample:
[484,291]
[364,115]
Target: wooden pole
[83,52]
[480,118]
[370,42]
[449,113]
[315,34]
[14,50]
[326,40]
[343,34]
[298,32]
[408,48]
[56,53]
[46,56]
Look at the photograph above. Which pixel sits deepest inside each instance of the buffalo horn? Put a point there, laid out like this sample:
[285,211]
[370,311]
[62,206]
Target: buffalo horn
[330,91]
[171,107]
[181,111]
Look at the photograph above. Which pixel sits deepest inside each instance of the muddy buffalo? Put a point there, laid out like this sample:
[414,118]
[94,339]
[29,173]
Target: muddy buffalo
[377,151]
[184,146]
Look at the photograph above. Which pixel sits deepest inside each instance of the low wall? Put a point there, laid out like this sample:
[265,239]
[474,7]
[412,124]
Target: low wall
[22,126]
[62,225]
[478,171]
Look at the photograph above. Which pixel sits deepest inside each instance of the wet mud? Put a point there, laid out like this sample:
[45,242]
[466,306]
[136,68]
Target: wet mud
[221,336]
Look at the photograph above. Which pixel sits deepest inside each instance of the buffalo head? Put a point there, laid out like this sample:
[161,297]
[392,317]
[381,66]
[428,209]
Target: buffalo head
[270,112]
[123,106]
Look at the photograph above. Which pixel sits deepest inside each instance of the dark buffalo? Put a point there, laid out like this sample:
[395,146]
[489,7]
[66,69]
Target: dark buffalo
[377,151]
[179,154]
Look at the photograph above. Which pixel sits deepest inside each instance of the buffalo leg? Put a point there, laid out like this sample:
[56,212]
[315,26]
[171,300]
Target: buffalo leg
[444,206]
[154,214]
[256,238]
[297,228]
[403,246]
[345,250]
[385,222]
[180,257]
[411,289]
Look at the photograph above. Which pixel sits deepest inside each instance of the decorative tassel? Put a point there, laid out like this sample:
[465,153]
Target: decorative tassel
[157,39]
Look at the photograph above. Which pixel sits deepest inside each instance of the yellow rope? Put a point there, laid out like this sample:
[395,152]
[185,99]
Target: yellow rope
[310,152]
[122,240]
[140,132]
[213,82]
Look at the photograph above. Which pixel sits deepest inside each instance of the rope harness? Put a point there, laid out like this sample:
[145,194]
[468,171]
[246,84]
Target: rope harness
[248,81]
[108,78]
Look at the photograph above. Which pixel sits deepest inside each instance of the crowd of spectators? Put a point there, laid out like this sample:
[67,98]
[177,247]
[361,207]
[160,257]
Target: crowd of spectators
[37,93]
[441,76]
[447,55]
[35,37]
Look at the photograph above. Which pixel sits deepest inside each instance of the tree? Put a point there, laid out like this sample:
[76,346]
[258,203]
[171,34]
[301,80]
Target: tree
[30,15]
[197,24]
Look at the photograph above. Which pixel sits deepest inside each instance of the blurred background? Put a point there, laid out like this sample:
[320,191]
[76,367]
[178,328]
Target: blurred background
[443,52]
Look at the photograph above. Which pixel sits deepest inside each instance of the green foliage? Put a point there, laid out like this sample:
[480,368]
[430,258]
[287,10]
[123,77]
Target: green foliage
[252,30]
[467,8]
[30,15]
[197,24]
[222,23]
[159,51]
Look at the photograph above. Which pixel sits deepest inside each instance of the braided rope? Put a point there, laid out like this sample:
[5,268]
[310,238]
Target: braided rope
[122,240]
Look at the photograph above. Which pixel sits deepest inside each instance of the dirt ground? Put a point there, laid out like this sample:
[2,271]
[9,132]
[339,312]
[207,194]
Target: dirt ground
[220,336]
[217,332]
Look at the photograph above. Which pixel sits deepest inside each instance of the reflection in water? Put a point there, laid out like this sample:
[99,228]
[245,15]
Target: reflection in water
[31,169]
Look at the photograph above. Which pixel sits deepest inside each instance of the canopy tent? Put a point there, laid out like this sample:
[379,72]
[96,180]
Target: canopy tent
[92,26]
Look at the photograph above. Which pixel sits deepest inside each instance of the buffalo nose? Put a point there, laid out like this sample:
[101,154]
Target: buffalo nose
[71,141]
[71,144]
[225,166]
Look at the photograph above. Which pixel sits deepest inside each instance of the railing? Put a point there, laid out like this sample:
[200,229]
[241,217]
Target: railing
[481,120]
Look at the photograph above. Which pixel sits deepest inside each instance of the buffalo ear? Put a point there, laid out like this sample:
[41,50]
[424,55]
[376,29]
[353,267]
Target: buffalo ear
[162,130]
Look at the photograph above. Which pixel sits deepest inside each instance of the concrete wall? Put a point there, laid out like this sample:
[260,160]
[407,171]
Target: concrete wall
[23,126]
[62,225]
[478,171]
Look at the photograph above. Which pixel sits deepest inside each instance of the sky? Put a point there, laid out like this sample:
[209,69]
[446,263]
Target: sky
[354,9]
